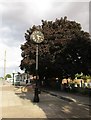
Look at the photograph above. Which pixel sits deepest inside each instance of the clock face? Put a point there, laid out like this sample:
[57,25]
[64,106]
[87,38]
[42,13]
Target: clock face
[37,36]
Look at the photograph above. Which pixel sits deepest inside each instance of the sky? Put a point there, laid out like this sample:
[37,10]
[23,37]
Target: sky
[16,16]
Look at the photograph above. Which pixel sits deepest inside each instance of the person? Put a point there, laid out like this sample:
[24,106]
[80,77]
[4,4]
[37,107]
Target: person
[26,81]
[30,80]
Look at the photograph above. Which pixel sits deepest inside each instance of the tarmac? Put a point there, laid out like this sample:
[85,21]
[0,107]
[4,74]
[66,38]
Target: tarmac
[70,97]
[18,103]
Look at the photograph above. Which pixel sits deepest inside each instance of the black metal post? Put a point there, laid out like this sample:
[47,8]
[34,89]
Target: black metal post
[36,93]
[13,78]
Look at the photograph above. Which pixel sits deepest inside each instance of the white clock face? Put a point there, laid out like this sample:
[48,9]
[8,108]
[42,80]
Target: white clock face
[37,36]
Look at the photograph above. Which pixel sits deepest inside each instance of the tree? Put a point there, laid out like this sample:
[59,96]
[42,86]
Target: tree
[7,76]
[79,76]
[65,51]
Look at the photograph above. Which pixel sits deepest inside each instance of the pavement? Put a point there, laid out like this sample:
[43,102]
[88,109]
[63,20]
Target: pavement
[12,104]
[17,103]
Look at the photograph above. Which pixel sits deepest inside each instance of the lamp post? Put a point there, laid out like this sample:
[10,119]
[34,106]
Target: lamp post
[38,37]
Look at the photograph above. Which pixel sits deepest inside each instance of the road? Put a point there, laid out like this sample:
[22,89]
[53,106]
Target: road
[18,104]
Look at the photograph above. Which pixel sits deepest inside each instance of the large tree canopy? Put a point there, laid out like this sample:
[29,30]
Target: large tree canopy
[65,51]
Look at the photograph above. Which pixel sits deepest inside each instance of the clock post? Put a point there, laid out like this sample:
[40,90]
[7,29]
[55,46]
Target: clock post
[37,37]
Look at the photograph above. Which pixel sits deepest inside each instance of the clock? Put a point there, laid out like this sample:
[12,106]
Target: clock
[37,36]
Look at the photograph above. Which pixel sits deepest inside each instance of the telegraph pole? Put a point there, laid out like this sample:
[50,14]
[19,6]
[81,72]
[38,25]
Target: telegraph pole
[4,64]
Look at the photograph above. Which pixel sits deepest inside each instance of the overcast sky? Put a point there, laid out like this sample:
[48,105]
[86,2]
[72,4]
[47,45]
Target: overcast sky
[16,16]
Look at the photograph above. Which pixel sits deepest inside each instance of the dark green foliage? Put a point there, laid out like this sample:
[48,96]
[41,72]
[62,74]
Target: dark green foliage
[65,51]
[7,76]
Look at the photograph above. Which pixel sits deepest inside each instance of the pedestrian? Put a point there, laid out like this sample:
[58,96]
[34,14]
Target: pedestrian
[26,81]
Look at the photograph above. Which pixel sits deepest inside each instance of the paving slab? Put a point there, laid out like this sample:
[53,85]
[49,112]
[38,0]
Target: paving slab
[13,106]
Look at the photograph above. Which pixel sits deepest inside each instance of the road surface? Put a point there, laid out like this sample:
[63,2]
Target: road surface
[18,104]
